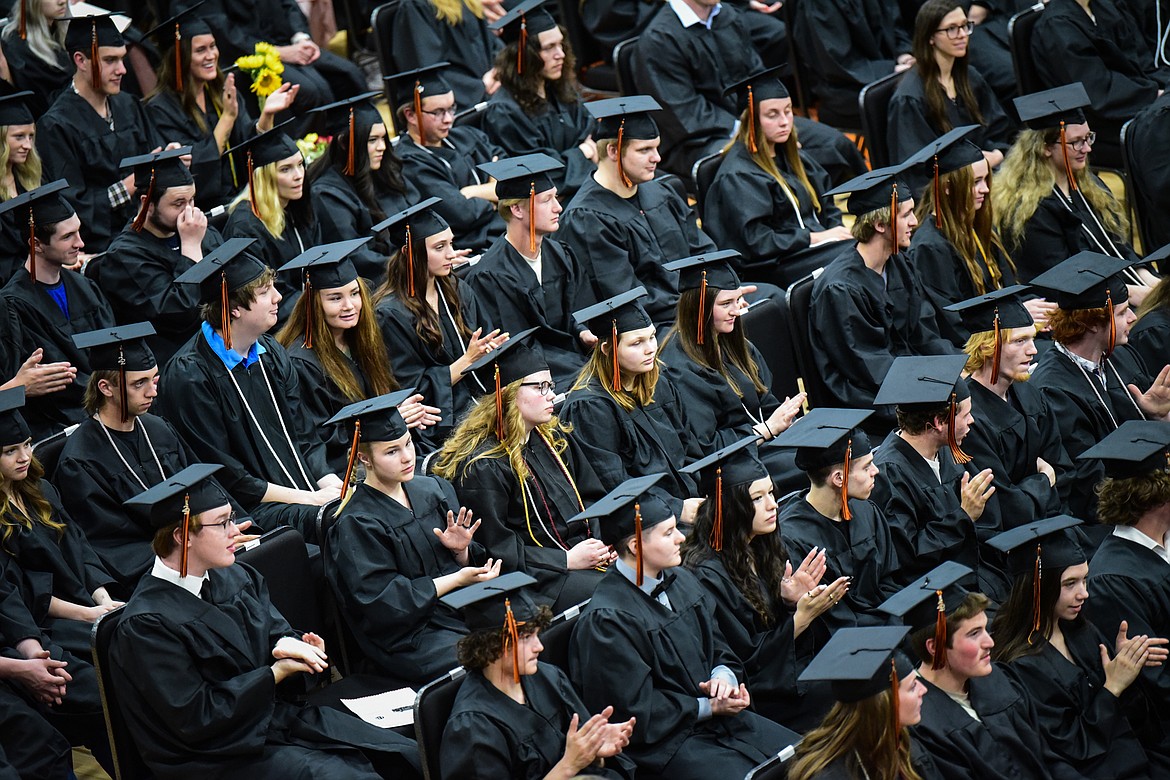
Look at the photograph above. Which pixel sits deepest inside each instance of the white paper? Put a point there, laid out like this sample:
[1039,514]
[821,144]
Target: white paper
[385,710]
[121,21]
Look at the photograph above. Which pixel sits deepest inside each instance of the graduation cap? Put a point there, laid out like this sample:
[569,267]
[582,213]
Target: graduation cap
[499,604]
[87,34]
[374,419]
[825,437]
[994,311]
[1051,108]
[1088,280]
[523,177]
[411,86]
[626,119]
[1056,548]
[615,316]
[14,108]
[43,206]
[227,268]
[926,383]
[735,464]
[13,429]
[525,20]
[420,221]
[342,117]
[765,85]
[170,32]
[120,349]
[512,361]
[702,271]
[1135,449]
[157,170]
[927,601]
[176,500]
[949,152]
[260,150]
[628,510]
[326,267]
[877,189]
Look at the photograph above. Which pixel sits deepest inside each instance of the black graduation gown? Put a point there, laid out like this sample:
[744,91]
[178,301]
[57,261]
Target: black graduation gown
[514,300]
[32,747]
[860,322]
[275,251]
[489,735]
[771,655]
[217,177]
[381,560]
[842,768]
[322,399]
[137,277]
[1150,339]
[78,145]
[631,652]
[623,242]
[645,440]
[609,22]
[910,127]
[419,39]
[13,241]
[31,73]
[1147,135]
[557,129]
[926,519]
[861,548]
[207,706]
[1081,720]
[1006,742]
[441,171]
[46,326]
[343,216]
[428,370]
[1084,417]
[534,541]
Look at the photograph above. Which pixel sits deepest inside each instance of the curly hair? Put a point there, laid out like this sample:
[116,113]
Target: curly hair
[926,23]
[525,87]
[717,349]
[859,732]
[1068,325]
[973,604]
[1125,501]
[479,649]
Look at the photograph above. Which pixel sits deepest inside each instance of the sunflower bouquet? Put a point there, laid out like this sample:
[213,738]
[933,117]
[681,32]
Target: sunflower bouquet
[263,68]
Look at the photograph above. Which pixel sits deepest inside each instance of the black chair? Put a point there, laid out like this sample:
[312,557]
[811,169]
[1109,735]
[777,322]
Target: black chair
[624,57]
[432,707]
[48,451]
[1020,37]
[874,105]
[1147,223]
[282,559]
[768,320]
[703,175]
[128,763]
[775,768]
[382,24]
[799,299]
[593,71]
[472,117]
[349,18]
[556,637]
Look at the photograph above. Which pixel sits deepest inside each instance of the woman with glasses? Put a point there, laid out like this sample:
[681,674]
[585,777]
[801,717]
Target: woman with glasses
[942,92]
[520,470]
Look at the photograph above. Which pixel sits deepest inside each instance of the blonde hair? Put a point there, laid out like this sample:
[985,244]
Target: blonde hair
[28,173]
[864,228]
[37,508]
[859,732]
[981,346]
[451,11]
[43,41]
[599,368]
[272,214]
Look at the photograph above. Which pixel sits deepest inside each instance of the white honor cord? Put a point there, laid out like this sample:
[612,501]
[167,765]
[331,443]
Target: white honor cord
[283,428]
[122,457]
[1130,274]
[455,327]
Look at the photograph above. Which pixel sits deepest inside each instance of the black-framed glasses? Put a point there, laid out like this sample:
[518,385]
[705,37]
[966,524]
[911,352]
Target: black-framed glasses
[231,520]
[439,113]
[545,387]
[956,31]
[1081,144]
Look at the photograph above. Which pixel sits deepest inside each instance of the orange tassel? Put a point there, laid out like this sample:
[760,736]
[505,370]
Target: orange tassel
[894,218]
[418,114]
[353,451]
[410,260]
[252,187]
[638,542]
[512,636]
[1112,323]
[1035,596]
[23,28]
[140,220]
[751,137]
[846,514]
[894,703]
[956,451]
[940,634]
[225,320]
[937,197]
[178,61]
[617,373]
[350,165]
[532,218]
[621,168]
[95,63]
[997,351]
[186,535]
[702,306]
[32,247]
[523,44]
[717,527]
[1068,171]
[499,407]
[309,306]
[122,381]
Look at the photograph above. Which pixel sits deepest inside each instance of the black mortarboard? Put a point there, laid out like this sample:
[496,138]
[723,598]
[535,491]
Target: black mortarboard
[825,437]
[417,223]
[179,498]
[1136,448]
[626,511]
[374,419]
[43,206]
[324,267]
[120,349]
[995,310]
[228,267]
[14,108]
[1041,545]
[520,177]
[1087,280]
[765,85]
[927,601]
[612,317]
[1053,107]
[627,118]
[950,152]
[170,32]
[412,86]
[500,604]
[13,429]
[157,171]
[713,269]
[875,189]
[858,662]
[927,383]
[88,33]
[346,116]
[513,361]
[521,25]
[735,464]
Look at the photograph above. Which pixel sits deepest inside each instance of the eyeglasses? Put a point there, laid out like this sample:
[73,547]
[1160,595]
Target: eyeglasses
[1082,144]
[230,521]
[956,31]
[440,113]
[544,388]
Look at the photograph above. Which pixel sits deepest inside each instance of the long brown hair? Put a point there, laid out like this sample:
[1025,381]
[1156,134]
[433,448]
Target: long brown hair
[859,732]
[1012,627]
[599,369]
[790,149]
[930,16]
[717,349]
[398,284]
[524,86]
[38,508]
[364,340]
[212,90]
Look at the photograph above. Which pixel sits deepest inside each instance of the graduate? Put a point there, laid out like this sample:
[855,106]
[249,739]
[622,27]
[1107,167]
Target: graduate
[213,700]
[1150,335]
[934,495]
[648,646]
[514,716]
[358,181]
[528,279]
[22,170]
[767,198]
[765,601]
[524,474]
[1081,682]
[333,339]
[1013,432]
[428,31]
[622,225]
[196,104]
[538,108]
[167,238]
[53,302]
[628,416]
[397,544]
[432,323]
[868,306]
[440,159]
[834,515]
[878,698]
[1148,133]
[232,393]
[34,46]
[92,127]
[1090,382]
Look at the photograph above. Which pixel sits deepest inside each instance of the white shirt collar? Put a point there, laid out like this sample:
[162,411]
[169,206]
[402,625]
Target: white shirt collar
[688,17]
[1137,537]
[1084,363]
[190,583]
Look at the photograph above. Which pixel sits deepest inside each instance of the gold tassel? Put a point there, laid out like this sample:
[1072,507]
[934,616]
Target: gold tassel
[351,464]
[252,188]
[894,218]
[522,44]
[997,350]
[225,319]
[23,22]
[418,114]
[1112,323]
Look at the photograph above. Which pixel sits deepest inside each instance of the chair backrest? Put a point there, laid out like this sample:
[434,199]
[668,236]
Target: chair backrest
[282,559]
[799,300]
[382,24]
[624,56]
[128,763]
[1150,229]
[593,69]
[556,637]
[703,174]
[775,768]
[768,320]
[874,105]
[1020,37]
[48,451]
[471,117]
[432,708]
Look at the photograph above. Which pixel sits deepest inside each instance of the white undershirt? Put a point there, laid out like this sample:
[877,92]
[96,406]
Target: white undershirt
[190,583]
[534,263]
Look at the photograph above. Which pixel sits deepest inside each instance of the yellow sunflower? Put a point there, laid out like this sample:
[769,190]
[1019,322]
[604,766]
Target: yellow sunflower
[265,83]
